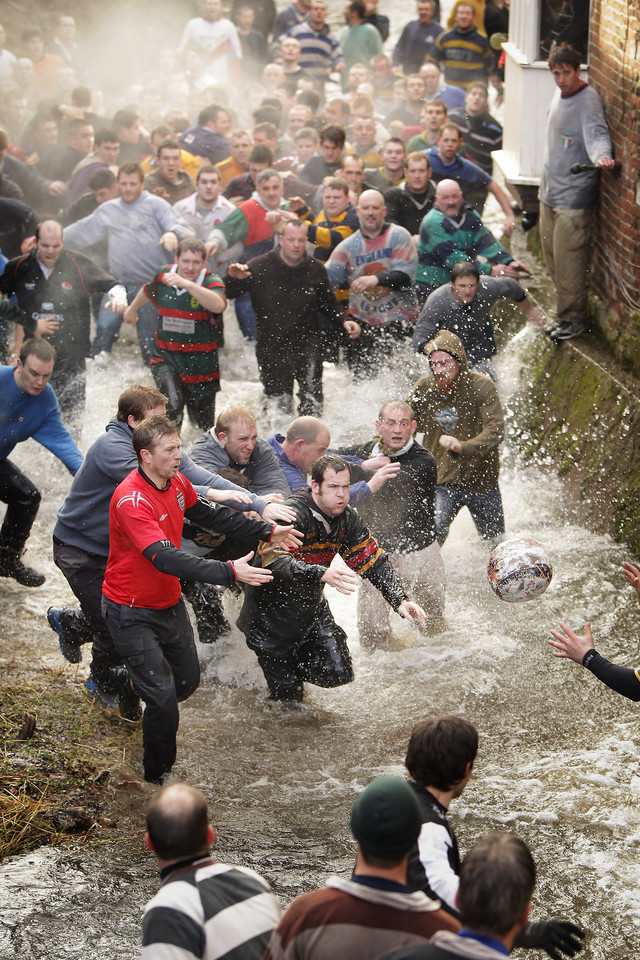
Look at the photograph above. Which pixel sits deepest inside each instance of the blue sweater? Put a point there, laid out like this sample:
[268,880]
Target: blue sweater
[297,480]
[23,416]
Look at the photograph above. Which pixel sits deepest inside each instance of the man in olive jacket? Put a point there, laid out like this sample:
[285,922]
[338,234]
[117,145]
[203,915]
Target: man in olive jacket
[461,416]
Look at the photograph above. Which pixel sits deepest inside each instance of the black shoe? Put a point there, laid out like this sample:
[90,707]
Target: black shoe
[567,331]
[12,566]
[128,700]
[106,698]
[165,777]
[69,646]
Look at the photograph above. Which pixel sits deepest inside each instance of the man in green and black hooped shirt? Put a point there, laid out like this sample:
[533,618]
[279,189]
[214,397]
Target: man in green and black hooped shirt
[190,301]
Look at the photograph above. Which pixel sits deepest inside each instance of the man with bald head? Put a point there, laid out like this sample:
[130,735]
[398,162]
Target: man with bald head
[306,439]
[378,264]
[201,904]
[452,232]
[54,288]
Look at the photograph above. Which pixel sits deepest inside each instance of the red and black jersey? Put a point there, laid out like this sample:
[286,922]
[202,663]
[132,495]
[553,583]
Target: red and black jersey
[140,514]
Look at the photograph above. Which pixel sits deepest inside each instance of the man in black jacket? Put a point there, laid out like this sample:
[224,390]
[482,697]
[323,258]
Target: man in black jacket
[409,203]
[291,294]
[401,517]
[54,286]
[288,622]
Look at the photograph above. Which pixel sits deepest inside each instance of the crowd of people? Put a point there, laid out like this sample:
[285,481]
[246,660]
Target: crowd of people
[344,225]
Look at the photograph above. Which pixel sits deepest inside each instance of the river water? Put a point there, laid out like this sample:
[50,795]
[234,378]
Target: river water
[559,753]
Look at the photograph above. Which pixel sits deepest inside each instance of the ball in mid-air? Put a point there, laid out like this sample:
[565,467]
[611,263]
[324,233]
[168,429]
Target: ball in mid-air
[519,569]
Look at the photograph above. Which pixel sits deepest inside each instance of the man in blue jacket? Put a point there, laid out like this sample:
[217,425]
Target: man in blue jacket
[28,408]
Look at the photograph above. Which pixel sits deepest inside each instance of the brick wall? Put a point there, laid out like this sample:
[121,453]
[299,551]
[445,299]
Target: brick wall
[614,70]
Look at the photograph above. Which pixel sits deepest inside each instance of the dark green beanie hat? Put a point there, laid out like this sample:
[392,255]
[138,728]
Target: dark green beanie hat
[385,819]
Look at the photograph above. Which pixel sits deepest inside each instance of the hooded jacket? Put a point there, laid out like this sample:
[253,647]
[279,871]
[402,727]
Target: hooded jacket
[471,412]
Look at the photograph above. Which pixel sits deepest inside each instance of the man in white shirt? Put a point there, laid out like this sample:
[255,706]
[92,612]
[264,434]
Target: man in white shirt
[206,209]
[219,37]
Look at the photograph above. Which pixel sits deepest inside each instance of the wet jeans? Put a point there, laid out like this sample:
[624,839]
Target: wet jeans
[109,323]
[485,509]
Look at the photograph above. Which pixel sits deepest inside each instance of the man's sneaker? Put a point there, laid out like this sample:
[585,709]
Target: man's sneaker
[128,700]
[106,698]
[101,360]
[550,330]
[165,777]
[69,647]
[12,566]
[567,331]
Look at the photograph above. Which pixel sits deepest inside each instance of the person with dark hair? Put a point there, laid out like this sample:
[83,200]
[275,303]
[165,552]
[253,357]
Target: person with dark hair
[440,758]
[417,38]
[374,910]
[497,879]
[28,408]
[243,186]
[481,133]
[360,41]
[391,171]
[577,133]
[205,209]
[140,229]
[329,160]
[289,625]
[464,306]
[190,301]
[63,159]
[133,146]
[409,202]
[104,155]
[209,137]
[237,162]
[169,181]
[142,603]
[320,52]
[103,186]
[53,287]
[201,903]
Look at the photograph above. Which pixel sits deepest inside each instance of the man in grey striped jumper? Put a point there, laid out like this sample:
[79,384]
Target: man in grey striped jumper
[203,909]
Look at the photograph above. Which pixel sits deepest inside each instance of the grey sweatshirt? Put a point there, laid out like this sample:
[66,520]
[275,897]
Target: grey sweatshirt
[577,132]
[132,231]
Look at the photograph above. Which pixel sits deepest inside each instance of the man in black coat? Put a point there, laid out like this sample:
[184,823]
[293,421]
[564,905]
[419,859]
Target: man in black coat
[401,517]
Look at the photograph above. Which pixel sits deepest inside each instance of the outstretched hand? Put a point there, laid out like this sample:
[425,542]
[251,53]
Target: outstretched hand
[286,537]
[570,645]
[274,512]
[558,938]
[245,573]
[342,578]
[632,576]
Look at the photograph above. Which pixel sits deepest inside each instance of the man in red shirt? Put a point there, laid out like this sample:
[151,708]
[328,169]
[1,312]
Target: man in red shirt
[142,603]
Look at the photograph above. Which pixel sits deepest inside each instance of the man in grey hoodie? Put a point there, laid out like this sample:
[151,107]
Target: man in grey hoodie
[81,534]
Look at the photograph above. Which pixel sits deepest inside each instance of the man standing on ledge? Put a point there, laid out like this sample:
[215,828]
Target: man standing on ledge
[289,625]
[28,408]
[577,132]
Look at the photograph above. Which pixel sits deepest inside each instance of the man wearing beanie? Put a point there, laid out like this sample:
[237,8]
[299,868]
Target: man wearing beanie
[375,911]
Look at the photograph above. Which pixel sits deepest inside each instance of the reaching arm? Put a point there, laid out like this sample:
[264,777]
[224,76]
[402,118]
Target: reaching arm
[504,202]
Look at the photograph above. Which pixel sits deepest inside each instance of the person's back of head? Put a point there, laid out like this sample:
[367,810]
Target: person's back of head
[138,401]
[440,751]
[497,879]
[386,822]
[304,428]
[177,823]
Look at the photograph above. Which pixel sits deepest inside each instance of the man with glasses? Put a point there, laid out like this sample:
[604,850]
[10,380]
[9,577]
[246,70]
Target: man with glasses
[401,517]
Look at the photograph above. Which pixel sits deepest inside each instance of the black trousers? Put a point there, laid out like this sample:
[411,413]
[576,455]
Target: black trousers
[278,374]
[321,657]
[22,499]
[202,410]
[84,573]
[159,652]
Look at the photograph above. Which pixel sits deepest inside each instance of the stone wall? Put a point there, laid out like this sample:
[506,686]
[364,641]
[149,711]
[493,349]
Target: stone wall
[583,422]
[614,71]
